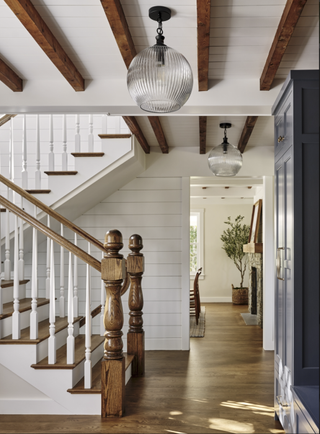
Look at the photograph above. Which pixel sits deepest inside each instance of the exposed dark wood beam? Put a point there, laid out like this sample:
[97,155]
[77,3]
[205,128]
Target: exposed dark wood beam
[246,132]
[288,21]
[38,29]
[122,35]
[203,26]
[4,119]
[203,133]
[158,131]
[136,130]
[10,78]
[120,29]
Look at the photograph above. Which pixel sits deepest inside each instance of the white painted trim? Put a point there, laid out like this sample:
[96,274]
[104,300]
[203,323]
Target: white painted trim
[268,262]
[216,299]
[185,263]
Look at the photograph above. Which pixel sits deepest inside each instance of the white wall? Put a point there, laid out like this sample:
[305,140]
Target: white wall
[220,271]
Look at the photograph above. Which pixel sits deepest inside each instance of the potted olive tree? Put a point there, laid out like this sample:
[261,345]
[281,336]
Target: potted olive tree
[233,238]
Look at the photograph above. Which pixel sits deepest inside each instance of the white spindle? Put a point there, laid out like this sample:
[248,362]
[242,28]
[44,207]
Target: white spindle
[61,304]
[52,311]
[88,363]
[38,172]
[64,143]
[34,284]
[1,301]
[7,262]
[24,172]
[103,302]
[77,144]
[75,290]
[11,158]
[90,137]
[51,154]
[21,248]
[16,332]
[48,263]
[70,338]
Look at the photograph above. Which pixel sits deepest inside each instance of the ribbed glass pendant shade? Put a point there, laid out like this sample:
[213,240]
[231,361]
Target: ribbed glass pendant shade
[225,160]
[160,79]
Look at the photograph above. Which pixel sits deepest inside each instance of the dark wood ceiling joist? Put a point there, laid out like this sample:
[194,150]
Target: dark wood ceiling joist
[10,78]
[6,118]
[158,131]
[203,133]
[288,22]
[246,132]
[120,29]
[136,130]
[38,29]
[203,30]
[122,35]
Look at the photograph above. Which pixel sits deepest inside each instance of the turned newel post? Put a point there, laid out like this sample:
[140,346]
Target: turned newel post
[113,365]
[135,337]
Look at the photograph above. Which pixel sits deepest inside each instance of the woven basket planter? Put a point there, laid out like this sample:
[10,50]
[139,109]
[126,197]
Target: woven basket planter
[239,295]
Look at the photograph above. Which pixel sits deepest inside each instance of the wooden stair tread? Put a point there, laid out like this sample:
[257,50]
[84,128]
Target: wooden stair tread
[9,283]
[3,210]
[87,154]
[24,305]
[96,378]
[43,332]
[38,191]
[115,136]
[61,361]
[61,172]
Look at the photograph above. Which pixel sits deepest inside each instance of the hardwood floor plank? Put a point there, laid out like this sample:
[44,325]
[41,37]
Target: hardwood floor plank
[224,384]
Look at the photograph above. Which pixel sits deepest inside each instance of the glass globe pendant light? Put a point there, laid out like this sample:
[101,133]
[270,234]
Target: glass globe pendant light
[159,78]
[225,159]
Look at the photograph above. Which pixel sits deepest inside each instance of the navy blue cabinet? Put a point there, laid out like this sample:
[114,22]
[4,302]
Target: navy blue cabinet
[296,118]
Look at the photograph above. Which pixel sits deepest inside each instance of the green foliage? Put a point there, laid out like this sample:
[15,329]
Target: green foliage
[233,238]
[193,248]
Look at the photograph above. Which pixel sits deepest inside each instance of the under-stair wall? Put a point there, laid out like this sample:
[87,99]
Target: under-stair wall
[152,208]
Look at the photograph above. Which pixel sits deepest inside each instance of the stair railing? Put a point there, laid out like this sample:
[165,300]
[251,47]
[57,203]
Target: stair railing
[114,270]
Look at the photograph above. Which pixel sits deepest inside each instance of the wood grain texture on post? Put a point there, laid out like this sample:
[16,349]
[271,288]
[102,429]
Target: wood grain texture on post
[135,336]
[112,273]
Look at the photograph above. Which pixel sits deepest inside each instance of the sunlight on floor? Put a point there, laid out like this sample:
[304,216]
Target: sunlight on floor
[276,431]
[248,406]
[175,413]
[231,426]
[175,432]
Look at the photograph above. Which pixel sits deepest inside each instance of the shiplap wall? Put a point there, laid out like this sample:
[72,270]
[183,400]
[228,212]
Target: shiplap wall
[150,207]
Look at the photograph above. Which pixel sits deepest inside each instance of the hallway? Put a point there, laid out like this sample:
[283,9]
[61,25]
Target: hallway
[224,385]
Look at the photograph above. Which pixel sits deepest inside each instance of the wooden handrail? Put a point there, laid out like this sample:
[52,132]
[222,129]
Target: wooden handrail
[93,262]
[52,213]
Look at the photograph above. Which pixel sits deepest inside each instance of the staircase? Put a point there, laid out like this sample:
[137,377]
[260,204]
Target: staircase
[51,363]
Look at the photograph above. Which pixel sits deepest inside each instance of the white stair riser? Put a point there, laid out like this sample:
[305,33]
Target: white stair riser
[6,323]
[7,293]
[78,371]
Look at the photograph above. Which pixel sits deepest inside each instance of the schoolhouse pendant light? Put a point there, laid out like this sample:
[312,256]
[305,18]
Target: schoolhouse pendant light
[225,159]
[159,78]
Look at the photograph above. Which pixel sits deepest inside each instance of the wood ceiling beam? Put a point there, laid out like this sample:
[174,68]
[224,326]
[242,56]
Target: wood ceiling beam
[136,130]
[122,35]
[158,131]
[10,78]
[6,118]
[246,132]
[38,29]
[203,29]
[203,133]
[120,29]
[288,22]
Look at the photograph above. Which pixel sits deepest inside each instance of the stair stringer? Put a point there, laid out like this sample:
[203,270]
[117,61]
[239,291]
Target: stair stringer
[53,384]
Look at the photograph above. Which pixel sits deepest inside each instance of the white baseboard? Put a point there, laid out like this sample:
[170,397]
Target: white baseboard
[216,299]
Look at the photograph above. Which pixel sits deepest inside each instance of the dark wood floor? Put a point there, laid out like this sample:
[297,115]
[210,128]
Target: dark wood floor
[223,385]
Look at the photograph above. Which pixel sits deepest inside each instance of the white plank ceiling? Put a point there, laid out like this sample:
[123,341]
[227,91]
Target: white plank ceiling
[241,35]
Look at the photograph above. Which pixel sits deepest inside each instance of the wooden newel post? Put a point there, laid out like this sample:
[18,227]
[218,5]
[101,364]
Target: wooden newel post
[113,365]
[135,337]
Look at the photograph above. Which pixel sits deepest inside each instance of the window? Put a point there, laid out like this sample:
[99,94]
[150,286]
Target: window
[196,241]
